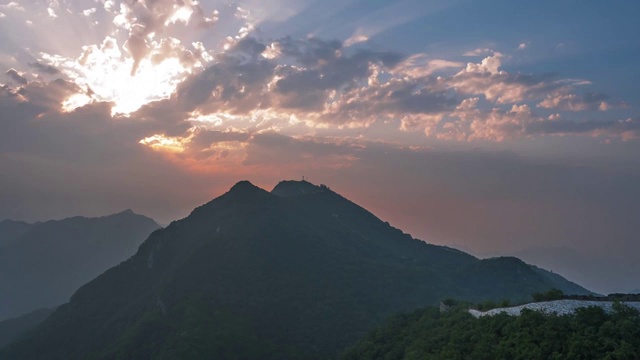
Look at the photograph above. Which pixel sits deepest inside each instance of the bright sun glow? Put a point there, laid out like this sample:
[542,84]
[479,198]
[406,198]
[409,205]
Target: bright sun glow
[106,74]
[75,101]
[182,14]
[161,142]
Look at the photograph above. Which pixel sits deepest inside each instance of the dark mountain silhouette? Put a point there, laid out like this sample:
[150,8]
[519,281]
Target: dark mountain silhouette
[12,329]
[298,273]
[49,261]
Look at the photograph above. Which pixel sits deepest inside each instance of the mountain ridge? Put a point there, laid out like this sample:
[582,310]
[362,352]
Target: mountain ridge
[50,260]
[282,277]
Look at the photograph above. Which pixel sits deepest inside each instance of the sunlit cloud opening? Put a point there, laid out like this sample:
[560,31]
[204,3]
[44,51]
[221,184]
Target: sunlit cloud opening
[76,101]
[106,73]
[165,143]
[182,14]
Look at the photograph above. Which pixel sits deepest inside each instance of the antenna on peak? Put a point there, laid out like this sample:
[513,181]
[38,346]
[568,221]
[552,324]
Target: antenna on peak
[303,179]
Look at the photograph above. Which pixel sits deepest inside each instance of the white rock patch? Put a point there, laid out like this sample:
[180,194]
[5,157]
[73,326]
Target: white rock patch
[560,307]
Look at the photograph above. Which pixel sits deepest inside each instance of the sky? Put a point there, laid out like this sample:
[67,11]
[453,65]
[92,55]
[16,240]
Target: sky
[497,127]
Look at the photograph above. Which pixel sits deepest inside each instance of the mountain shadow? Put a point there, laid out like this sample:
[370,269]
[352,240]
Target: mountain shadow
[296,273]
[46,262]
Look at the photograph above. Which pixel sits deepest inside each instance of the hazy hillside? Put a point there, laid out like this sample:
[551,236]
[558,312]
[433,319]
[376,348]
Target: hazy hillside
[11,230]
[298,273]
[12,329]
[49,261]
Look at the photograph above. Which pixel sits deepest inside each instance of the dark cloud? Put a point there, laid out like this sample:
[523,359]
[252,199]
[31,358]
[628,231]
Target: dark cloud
[204,139]
[49,95]
[17,77]
[322,82]
[628,129]
[44,68]
[327,68]
[242,80]
[236,83]
[394,99]
[239,80]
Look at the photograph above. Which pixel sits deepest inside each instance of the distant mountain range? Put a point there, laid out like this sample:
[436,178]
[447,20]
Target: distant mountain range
[296,273]
[12,329]
[601,272]
[11,231]
[42,264]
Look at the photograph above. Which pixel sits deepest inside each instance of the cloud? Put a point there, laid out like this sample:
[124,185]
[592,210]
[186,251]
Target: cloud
[355,39]
[326,69]
[12,6]
[486,78]
[16,76]
[573,102]
[469,122]
[323,84]
[146,19]
[628,129]
[317,72]
[307,84]
[479,52]
[44,68]
[52,13]
[422,65]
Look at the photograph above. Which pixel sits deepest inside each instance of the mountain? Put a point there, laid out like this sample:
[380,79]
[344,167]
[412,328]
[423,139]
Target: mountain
[559,282]
[296,273]
[44,265]
[602,272]
[12,329]
[11,230]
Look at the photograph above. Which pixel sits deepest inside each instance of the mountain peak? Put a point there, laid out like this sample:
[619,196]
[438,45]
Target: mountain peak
[290,188]
[246,188]
[244,185]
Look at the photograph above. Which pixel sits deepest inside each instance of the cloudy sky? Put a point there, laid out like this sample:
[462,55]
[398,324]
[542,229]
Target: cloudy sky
[498,127]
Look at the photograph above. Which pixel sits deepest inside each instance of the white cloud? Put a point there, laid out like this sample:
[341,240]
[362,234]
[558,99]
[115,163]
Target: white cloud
[573,102]
[109,5]
[421,65]
[12,6]
[146,22]
[479,52]
[52,13]
[355,39]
